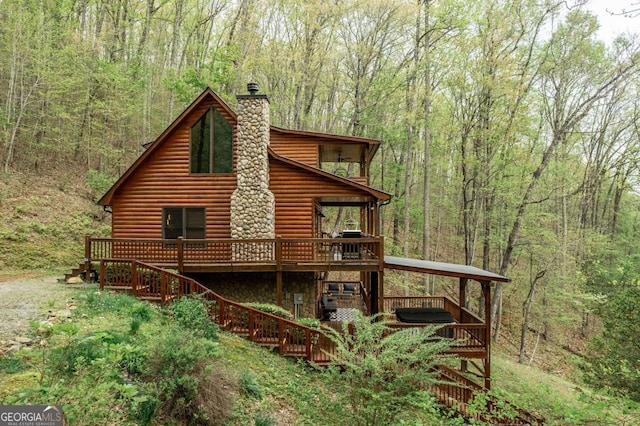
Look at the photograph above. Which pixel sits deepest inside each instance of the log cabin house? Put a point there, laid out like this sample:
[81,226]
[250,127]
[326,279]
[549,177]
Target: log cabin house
[239,205]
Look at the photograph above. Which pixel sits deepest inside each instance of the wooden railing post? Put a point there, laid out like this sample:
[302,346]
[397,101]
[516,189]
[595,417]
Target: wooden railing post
[87,257]
[163,287]
[103,273]
[307,341]
[251,326]
[281,338]
[134,278]
[180,255]
[278,252]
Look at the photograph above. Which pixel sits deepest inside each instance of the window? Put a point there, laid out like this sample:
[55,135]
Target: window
[212,144]
[187,222]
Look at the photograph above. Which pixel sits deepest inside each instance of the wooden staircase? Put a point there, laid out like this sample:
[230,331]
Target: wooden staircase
[81,271]
[149,282]
[458,393]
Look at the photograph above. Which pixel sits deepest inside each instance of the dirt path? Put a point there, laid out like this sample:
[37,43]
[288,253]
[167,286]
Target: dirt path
[27,299]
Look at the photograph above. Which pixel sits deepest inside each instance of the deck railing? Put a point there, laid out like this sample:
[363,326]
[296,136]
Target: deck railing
[149,282]
[469,331]
[276,252]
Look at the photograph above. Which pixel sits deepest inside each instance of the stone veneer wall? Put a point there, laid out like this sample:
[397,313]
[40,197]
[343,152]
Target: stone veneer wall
[261,287]
[252,203]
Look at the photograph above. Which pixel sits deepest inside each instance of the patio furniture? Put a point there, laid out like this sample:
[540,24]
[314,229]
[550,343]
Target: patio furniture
[329,307]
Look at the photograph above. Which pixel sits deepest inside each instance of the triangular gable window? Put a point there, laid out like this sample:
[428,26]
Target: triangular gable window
[212,144]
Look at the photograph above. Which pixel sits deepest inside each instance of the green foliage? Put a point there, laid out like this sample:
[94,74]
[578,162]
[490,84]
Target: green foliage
[309,322]
[182,375]
[140,313]
[102,302]
[81,351]
[264,418]
[614,362]
[249,385]
[11,365]
[381,376]
[192,314]
[271,309]
[99,183]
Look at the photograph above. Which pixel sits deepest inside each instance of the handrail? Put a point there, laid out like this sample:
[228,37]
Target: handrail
[454,385]
[151,282]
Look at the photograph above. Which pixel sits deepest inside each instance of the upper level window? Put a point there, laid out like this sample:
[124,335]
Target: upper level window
[212,144]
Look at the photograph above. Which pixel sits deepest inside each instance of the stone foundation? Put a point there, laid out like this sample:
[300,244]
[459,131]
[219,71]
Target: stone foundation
[261,287]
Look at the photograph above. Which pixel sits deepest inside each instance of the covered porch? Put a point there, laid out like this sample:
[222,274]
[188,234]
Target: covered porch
[472,334]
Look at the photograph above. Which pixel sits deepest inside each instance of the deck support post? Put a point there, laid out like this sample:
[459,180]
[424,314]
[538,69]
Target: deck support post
[462,302]
[279,270]
[486,291]
[377,292]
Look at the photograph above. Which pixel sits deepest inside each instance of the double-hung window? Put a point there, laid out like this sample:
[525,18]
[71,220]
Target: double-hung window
[186,222]
[211,144]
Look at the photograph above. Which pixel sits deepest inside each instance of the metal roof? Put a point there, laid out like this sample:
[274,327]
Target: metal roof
[443,269]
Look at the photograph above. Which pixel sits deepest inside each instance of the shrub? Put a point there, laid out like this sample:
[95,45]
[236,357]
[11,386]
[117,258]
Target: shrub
[80,351]
[264,418]
[249,385]
[99,182]
[382,375]
[192,314]
[271,309]
[309,322]
[140,313]
[186,380]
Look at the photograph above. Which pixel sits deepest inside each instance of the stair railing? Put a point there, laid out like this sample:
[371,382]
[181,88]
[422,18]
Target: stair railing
[149,282]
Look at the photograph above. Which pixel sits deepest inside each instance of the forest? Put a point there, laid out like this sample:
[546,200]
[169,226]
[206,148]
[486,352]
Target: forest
[510,133]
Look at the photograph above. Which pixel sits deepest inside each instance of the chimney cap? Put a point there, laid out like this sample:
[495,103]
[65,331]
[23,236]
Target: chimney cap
[253,88]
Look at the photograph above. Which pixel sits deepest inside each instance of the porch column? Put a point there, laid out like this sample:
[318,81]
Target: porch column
[463,293]
[486,291]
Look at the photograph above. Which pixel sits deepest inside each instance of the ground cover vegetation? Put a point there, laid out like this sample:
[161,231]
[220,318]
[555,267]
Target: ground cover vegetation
[122,361]
[509,139]
[117,360]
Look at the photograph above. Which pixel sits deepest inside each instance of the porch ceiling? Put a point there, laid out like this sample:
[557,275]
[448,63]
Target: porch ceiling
[442,269]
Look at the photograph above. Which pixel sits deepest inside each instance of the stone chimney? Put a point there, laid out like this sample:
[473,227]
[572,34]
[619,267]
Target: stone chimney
[252,203]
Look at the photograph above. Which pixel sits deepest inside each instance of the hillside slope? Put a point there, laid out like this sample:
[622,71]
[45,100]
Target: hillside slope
[44,220]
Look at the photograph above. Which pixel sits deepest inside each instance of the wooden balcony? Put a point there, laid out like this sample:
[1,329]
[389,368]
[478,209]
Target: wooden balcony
[232,255]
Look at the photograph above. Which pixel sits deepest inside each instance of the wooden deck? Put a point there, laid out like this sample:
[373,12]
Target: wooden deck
[469,331]
[232,255]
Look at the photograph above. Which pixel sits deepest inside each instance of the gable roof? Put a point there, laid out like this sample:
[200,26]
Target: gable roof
[208,93]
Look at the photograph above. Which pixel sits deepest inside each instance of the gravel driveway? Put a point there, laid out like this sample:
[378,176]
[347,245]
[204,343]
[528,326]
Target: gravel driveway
[27,299]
